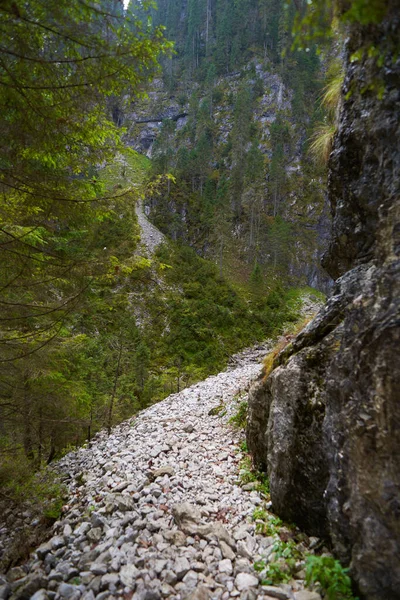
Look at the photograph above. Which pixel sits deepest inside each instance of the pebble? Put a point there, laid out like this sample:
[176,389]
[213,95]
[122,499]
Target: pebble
[244,581]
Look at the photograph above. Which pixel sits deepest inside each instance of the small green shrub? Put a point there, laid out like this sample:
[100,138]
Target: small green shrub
[248,475]
[243,446]
[267,524]
[283,568]
[239,420]
[330,576]
[39,490]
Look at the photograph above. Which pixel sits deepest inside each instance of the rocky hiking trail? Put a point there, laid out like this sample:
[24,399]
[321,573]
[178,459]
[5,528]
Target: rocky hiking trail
[157,509]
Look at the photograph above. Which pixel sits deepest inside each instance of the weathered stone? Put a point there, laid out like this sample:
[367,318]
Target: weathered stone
[216,531]
[5,591]
[277,592]
[170,577]
[96,520]
[243,550]
[161,471]
[190,579]
[178,538]
[109,579]
[30,585]
[16,573]
[306,595]
[225,566]
[226,550]
[181,566]
[128,575]
[88,595]
[40,595]
[184,513]
[98,569]
[244,581]
[66,590]
[200,593]
[124,503]
[94,535]
[43,550]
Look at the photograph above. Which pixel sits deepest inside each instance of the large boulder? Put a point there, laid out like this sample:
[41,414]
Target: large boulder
[326,423]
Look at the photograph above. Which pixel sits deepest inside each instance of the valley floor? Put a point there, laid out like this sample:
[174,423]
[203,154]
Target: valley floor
[156,509]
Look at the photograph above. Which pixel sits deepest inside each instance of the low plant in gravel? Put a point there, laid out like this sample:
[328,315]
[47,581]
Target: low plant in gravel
[266,524]
[38,491]
[330,578]
[247,474]
[219,410]
[239,419]
[283,567]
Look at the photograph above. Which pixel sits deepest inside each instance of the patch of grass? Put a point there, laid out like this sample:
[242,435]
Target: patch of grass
[128,168]
[321,144]
[328,576]
[248,475]
[269,362]
[243,446]
[239,419]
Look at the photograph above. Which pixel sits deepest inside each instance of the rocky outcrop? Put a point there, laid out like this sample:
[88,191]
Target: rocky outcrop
[326,423]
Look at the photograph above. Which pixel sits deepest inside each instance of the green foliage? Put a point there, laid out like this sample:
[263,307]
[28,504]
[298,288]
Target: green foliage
[59,62]
[247,474]
[366,12]
[321,144]
[282,568]
[40,491]
[324,131]
[330,577]
[219,410]
[239,420]
[266,523]
[243,446]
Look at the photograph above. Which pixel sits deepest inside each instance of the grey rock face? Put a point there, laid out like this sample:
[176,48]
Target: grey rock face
[326,423]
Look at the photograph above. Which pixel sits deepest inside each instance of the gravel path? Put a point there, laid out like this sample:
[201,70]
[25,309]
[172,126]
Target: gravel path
[156,509]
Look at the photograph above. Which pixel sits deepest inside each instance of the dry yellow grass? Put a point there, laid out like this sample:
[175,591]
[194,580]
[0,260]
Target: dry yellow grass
[269,362]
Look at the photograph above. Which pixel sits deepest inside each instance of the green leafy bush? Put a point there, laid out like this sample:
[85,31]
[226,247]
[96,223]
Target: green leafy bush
[239,419]
[283,567]
[40,490]
[330,576]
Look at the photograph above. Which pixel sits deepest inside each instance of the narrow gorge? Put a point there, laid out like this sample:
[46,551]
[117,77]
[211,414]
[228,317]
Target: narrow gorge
[200,300]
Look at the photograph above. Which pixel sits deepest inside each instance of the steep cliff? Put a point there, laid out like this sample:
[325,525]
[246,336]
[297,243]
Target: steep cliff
[326,422]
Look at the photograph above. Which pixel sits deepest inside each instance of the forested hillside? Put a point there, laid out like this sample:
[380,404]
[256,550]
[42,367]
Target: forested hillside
[232,120]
